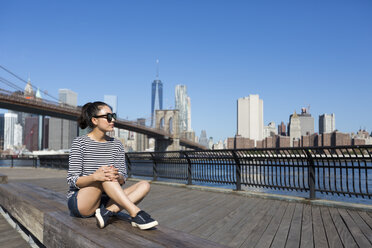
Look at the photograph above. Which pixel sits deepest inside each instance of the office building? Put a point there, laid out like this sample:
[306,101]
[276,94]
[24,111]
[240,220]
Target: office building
[112,101]
[182,103]
[31,140]
[306,122]
[1,131]
[250,117]
[203,140]
[156,95]
[294,129]
[67,96]
[270,130]
[62,132]
[282,129]
[10,120]
[327,123]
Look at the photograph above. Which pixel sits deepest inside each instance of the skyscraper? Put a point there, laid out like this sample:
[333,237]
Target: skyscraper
[294,128]
[306,122]
[250,117]
[184,106]
[10,120]
[62,132]
[112,101]
[68,97]
[327,123]
[1,131]
[156,95]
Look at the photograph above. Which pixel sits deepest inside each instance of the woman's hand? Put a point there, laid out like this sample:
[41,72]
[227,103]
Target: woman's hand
[106,173]
[113,173]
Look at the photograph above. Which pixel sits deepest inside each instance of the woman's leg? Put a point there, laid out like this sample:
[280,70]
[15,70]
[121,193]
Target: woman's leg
[89,198]
[134,194]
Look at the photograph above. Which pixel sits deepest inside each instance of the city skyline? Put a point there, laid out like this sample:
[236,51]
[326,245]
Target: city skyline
[291,54]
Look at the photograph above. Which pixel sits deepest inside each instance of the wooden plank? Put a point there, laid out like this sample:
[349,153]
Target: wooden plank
[367,231]
[366,218]
[235,208]
[269,234]
[320,239]
[244,227]
[307,235]
[354,229]
[256,234]
[229,227]
[282,233]
[63,231]
[9,237]
[346,238]
[3,178]
[294,235]
[202,214]
[118,234]
[217,209]
[334,240]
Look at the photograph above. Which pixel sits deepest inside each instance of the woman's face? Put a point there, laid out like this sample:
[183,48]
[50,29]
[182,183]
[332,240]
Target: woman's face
[101,122]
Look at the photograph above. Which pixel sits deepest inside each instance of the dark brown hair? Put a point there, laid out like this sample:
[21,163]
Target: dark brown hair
[89,110]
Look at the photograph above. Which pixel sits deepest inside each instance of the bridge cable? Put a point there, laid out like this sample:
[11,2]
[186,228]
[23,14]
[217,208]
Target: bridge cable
[18,77]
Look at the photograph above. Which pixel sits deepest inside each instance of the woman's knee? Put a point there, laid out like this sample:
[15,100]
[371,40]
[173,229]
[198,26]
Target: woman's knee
[145,186]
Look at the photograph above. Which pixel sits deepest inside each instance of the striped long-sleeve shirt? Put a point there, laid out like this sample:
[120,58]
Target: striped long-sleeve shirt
[87,155]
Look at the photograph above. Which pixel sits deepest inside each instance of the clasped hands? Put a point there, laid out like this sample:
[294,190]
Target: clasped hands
[106,173]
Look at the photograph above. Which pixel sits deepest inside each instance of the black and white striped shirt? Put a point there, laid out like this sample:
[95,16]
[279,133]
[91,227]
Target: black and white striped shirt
[87,155]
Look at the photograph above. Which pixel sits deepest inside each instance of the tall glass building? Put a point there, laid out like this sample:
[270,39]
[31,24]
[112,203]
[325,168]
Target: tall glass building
[184,107]
[156,99]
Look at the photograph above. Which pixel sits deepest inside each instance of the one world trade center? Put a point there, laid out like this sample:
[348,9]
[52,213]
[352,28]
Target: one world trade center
[156,95]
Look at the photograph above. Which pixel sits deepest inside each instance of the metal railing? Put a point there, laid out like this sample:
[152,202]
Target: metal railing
[343,171]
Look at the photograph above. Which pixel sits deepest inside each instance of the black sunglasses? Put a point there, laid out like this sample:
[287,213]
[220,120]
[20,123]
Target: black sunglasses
[108,116]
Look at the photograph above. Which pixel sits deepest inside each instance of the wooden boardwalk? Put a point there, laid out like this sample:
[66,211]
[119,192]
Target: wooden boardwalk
[233,220]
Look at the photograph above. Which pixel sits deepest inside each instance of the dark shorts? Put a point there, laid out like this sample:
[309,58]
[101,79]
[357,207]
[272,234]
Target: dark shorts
[73,205]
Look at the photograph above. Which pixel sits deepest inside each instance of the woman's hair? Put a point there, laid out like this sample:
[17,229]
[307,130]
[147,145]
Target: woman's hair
[89,110]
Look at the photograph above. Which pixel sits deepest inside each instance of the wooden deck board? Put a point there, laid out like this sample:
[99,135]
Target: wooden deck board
[367,218]
[333,238]
[307,234]
[294,235]
[230,219]
[9,237]
[366,230]
[346,237]
[320,239]
[358,236]
[281,235]
[234,210]
[247,225]
[269,234]
[255,235]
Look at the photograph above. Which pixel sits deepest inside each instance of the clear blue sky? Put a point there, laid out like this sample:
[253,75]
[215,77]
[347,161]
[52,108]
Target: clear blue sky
[291,53]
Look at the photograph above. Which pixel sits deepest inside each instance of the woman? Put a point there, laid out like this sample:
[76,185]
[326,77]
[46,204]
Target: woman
[97,170]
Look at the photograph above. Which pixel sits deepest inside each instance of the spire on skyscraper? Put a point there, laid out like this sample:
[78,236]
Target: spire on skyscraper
[157,69]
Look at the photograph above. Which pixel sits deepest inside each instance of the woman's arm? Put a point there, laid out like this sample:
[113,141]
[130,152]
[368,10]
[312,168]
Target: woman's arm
[103,173]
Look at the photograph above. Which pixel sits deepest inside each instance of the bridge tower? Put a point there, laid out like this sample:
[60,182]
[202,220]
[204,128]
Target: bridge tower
[168,120]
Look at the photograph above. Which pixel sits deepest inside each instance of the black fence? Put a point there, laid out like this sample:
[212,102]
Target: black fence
[343,171]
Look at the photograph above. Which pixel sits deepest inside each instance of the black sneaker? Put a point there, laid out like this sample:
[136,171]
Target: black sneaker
[143,221]
[102,216]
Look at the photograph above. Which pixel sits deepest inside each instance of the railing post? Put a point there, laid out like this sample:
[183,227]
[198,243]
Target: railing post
[129,172]
[238,171]
[311,177]
[189,172]
[154,167]
[12,162]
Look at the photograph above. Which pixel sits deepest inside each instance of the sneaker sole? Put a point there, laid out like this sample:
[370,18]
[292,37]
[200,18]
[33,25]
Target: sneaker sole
[145,226]
[100,222]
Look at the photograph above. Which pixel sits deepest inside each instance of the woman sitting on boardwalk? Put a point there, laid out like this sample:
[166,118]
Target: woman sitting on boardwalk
[97,170]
